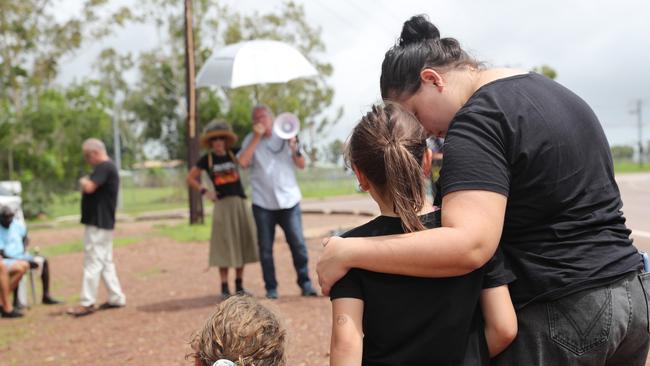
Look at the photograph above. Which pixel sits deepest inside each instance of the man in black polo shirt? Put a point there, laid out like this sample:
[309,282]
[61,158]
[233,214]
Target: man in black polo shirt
[98,203]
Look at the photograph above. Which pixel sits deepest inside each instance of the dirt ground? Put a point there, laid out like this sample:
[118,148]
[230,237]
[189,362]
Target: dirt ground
[170,292]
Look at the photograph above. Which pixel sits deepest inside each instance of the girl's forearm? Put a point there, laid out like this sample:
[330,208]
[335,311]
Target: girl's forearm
[345,349]
[500,318]
[345,356]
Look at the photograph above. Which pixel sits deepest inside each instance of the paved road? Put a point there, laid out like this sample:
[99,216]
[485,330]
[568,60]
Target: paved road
[635,190]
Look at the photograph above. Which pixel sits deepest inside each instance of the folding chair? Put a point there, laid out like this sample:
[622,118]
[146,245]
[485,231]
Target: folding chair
[21,291]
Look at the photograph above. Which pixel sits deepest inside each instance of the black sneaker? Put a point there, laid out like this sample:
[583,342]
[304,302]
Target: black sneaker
[243,292]
[308,290]
[51,301]
[11,314]
[108,306]
[81,310]
[272,294]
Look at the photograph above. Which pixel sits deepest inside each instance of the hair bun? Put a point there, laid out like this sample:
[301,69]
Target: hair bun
[418,29]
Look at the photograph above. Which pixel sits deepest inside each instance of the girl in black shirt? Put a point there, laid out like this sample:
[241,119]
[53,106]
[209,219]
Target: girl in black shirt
[384,319]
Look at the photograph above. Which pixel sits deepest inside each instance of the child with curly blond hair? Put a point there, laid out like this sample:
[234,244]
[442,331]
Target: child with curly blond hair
[241,332]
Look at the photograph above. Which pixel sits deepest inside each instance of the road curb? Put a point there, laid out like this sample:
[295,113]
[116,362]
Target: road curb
[178,214]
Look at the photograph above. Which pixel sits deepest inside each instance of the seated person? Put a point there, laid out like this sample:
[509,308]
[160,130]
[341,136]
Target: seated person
[6,308]
[13,246]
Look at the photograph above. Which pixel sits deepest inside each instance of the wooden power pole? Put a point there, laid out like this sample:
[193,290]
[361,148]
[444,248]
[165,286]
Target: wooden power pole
[196,204]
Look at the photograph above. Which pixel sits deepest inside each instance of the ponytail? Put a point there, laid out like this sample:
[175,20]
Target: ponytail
[405,184]
[387,146]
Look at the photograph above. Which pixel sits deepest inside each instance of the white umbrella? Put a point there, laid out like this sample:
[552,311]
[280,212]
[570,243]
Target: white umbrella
[254,62]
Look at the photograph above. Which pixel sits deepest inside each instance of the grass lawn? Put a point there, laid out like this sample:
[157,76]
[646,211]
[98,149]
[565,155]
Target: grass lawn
[182,233]
[323,189]
[134,200]
[186,233]
[630,167]
[314,183]
[77,246]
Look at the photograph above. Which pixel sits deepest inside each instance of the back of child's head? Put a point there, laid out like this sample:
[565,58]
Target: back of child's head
[243,332]
[388,146]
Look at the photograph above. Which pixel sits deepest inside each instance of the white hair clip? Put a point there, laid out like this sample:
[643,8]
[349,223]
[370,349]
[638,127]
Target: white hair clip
[223,362]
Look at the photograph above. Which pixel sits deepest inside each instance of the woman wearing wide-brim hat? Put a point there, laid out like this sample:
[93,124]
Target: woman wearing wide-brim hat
[233,242]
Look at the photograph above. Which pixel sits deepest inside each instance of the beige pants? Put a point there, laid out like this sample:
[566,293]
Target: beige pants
[98,262]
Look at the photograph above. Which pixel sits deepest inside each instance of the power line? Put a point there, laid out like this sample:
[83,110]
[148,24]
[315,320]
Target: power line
[386,11]
[338,16]
[346,21]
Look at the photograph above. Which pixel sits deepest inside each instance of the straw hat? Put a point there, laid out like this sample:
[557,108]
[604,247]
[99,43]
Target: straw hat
[217,129]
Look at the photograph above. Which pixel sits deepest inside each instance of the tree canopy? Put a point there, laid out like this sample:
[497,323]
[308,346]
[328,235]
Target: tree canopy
[157,103]
[42,123]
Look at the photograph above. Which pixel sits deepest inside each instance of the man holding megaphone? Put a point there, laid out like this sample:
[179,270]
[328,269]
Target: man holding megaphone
[272,153]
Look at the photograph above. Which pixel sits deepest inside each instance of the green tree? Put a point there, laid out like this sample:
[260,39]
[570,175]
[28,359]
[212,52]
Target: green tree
[546,70]
[41,123]
[112,68]
[47,152]
[156,103]
[335,151]
[159,99]
[622,152]
[33,43]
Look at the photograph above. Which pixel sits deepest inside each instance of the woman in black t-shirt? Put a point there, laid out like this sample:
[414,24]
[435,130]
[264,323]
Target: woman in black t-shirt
[526,168]
[386,319]
[233,241]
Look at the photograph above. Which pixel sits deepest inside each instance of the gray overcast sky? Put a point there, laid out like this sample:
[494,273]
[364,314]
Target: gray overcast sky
[600,49]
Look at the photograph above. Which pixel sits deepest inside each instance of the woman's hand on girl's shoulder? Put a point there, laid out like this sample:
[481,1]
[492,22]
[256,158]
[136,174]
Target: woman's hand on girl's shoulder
[331,266]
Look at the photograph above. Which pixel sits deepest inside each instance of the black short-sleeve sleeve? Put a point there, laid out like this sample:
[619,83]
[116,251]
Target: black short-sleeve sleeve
[475,155]
[100,174]
[203,163]
[348,286]
[497,271]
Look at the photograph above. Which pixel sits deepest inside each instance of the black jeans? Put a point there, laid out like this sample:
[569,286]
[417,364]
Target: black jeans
[291,223]
[604,326]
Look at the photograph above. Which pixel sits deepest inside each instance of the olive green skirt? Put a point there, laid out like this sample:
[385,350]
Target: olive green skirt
[233,242]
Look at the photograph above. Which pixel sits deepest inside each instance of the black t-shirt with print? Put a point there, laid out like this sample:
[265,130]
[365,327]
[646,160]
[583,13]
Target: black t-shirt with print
[536,142]
[420,321]
[98,208]
[223,173]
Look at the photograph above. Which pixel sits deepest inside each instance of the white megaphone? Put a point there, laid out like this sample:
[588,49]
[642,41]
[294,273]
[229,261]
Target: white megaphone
[286,125]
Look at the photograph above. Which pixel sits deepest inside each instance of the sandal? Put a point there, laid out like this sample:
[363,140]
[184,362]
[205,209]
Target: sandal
[107,306]
[80,311]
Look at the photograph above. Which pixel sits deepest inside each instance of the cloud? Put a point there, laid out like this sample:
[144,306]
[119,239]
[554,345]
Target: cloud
[600,49]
